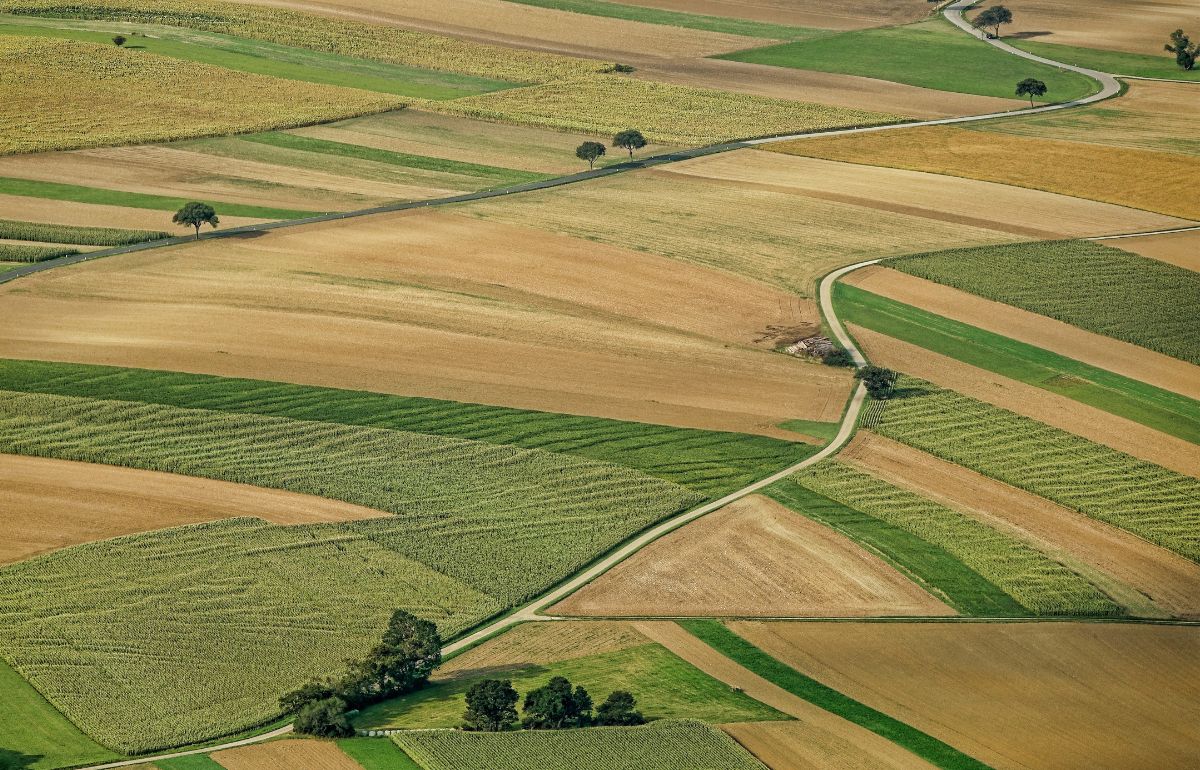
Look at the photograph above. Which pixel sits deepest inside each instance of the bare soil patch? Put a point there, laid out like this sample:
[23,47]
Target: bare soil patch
[1014,695]
[752,558]
[289,754]
[50,504]
[439,305]
[1137,26]
[96,215]
[1134,571]
[1098,350]
[829,739]
[539,644]
[855,14]
[1181,249]
[1064,413]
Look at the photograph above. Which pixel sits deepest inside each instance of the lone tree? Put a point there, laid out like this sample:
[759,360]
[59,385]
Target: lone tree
[993,17]
[119,40]
[879,381]
[324,719]
[630,139]
[1184,49]
[618,710]
[1031,87]
[589,151]
[195,214]
[491,706]
[556,706]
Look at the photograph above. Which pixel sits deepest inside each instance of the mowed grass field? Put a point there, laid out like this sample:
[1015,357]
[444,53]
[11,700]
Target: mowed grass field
[1145,179]
[853,14]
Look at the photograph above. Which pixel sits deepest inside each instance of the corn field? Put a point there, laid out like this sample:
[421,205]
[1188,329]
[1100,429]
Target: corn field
[18,252]
[85,236]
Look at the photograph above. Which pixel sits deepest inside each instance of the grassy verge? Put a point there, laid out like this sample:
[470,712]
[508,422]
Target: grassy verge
[377,754]
[931,54]
[1116,62]
[814,428]
[87,236]
[1153,407]
[724,24]
[934,751]
[79,194]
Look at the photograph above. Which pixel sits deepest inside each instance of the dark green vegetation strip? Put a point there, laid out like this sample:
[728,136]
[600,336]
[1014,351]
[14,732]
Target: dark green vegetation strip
[1153,407]
[263,58]
[729,644]
[501,176]
[1095,287]
[18,252]
[79,194]
[377,754]
[730,26]
[1116,62]
[929,565]
[190,762]
[1145,499]
[931,54]
[711,462]
[87,236]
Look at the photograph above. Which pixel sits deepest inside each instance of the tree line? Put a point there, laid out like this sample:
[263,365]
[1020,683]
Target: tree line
[492,707]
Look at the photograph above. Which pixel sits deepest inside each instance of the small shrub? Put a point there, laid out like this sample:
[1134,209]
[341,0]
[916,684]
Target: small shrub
[324,719]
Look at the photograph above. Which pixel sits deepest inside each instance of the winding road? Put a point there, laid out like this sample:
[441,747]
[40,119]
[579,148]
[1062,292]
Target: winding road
[1109,87]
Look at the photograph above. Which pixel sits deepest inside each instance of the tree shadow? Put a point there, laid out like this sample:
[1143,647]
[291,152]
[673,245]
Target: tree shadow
[16,760]
[1026,35]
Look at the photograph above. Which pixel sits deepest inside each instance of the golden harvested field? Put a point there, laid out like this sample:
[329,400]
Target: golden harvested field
[797,745]
[662,111]
[1146,117]
[438,305]
[1124,358]
[1145,579]
[96,95]
[752,558]
[539,644]
[1181,249]
[1015,695]
[1154,181]
[1041,405]
[95,215]
[289,754]
[49,504]
[854,14]
[1136,26]
[828,739]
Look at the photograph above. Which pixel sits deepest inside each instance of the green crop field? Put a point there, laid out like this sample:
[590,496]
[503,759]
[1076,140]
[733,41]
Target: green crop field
[181,635]
[1090,285]
[507,521]
[17,252]
[1153,407]
[190,762]
[86,236]
[1145,499]
[725,24]
[377,754]
[710,462]
[931,54]
[666,687]
[1116,62]
[34,735]
[669,745]
[1040,584]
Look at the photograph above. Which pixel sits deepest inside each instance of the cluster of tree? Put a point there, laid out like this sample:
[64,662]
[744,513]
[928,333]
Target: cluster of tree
[492,707]
[630,139]
[879,381]
[838,357]
[410,650]
[1184,49]
[195,214]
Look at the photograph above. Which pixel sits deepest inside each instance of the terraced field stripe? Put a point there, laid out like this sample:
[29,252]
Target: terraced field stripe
[737,649]
[502,176]
[928,564]
[84,236]
[377,754]
[724,24]
[1154,407]
[58,191]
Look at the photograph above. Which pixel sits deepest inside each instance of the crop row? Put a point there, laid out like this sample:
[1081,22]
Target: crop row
[87,236]
[19,252]
[1036,581]
[1140,497]
[1095,287]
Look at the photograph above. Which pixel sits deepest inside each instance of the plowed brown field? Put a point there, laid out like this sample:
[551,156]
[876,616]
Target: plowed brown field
[1042,405]
[854,14]
[1098,350]
[443,306]
[1015,695]
[49,504]
[1137,26]
[1181,249]
[1134,572]
[828,739]
[752,558]
[289,754]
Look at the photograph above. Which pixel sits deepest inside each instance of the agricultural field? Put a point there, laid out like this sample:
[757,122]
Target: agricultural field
[727,565]
[669,745]
[1181,249]
[1133,26]
[1141,179]
[1012,695]
[286,755]
[854,14]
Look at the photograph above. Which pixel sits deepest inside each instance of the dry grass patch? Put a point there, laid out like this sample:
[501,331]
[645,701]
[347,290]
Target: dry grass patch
[48,504]
[1154,181]
[1136,26]
[855,14]
[1014,695]
[1182,249]
[439,305]
[65,94]
[291,754]
[752,558]
[540,644]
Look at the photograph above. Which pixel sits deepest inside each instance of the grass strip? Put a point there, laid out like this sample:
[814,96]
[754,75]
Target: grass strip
[710,462]
[720,638]
[929,565]
[190,762]
[18,252]
[377,754]
[32,188]
[86,236]
[502,176]
[1162,410]
[1116,62]
[724,24]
